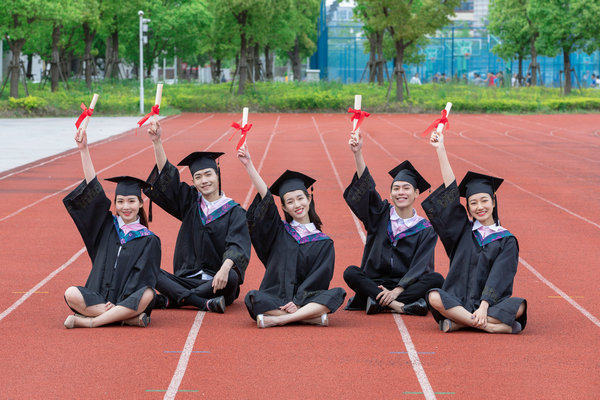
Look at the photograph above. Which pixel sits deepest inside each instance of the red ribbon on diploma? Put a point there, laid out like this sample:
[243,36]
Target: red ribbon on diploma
[443,120]
[87,112]
[154,111]
[359,115]
[244,130]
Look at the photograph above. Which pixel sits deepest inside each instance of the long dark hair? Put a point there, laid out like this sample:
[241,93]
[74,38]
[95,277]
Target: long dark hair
[141,212]
[494,210]
[312,212]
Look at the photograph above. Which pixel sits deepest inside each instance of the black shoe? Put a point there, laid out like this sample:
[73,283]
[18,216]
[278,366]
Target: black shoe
[419,307]
[160,301]
[216,305]
[373,306]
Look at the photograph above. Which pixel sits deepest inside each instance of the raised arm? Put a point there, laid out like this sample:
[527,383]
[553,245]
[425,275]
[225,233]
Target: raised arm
[155,132]
[244,157]
[356,147]
[88,167]
[437,141]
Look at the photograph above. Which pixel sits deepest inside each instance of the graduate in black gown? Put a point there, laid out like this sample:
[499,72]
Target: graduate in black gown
[483,254]
[213,244]
[397,267]
[297,256]
[125,254]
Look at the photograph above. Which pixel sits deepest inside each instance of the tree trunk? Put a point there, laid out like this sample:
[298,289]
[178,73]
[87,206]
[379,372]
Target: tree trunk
[89,35]
[250,62]
[295,59]
[15,67]
[533,64]
[111,69]
[399,72]
[268,64]
[380,58]
[372,56]
[567,69]
[215,70]
[243,68]
[257,68]
[29,75]
[55,63]
[520,74]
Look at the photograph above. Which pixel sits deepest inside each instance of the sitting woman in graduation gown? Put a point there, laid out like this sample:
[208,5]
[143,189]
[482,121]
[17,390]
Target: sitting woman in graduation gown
[125,254]
[483,255]
[298,257]
[213,244]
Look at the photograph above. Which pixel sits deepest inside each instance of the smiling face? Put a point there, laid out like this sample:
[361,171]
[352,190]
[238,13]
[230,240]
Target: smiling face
[481,206]
[403,195]
[296,203]
[128,207]
[207,182]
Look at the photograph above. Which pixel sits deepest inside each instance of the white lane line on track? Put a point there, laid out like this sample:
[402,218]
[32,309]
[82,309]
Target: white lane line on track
[76,255]
[521,260]
[410,348]
[191,338]
[485,170]
[98,172]
[40,284]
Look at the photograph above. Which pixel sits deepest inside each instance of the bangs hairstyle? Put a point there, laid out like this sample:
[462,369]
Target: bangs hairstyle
[312,212]
[218,172]
[141,212]
[494,210]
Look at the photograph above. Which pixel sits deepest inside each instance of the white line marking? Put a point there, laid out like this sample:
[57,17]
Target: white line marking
[40,284]
[185,357]
[410,348]
[191,339]
[561,293]
[98,172]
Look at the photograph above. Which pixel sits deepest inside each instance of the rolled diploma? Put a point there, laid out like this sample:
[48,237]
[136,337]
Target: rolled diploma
[158,98]
[440,127]
[244,116]
[84,124]
[357,105]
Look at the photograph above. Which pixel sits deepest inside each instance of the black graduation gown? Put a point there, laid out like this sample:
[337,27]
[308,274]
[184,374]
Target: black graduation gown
[297,269]
[479,270]
[388,260]
[200,245]
[121,281]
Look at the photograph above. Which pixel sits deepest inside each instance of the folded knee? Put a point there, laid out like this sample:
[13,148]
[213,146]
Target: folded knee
[350,273]
[435,300]
[72,294]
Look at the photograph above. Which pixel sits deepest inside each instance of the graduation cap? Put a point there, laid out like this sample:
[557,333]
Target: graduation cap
[474,183]
[199,160]
[129,186]
[405,172]
[290,181]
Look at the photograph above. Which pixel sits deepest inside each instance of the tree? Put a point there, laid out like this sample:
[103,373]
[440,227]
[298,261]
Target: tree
[567,26]
[408,22]
[303,17]
[375,38]
[511,23]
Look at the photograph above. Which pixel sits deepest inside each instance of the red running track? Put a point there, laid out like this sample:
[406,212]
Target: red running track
[549,201]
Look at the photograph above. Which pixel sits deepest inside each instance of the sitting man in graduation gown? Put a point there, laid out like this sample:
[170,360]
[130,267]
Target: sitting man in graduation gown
[212,249]
[397,267]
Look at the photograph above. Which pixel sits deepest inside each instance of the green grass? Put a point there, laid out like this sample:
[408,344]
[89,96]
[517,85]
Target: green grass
[122,98]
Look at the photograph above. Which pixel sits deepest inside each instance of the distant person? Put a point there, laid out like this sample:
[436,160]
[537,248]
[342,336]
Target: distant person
[477,292]
[415,79]
[443,78]
[593,81]
[465,79]
[436,77]
[478,81]
[125,255]
[499,80]
[514,81]
[528,79]
[490,80]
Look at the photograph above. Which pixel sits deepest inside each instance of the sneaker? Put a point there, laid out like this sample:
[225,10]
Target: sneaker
[216,305]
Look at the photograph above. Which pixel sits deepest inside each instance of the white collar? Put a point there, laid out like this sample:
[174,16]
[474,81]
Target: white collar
[121,222]
[408,222]
[310,226]
[494,227]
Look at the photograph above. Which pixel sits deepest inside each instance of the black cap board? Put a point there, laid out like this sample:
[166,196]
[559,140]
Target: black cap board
[129,186]
[405,172]
[290,181]
[199,160]
[474,183]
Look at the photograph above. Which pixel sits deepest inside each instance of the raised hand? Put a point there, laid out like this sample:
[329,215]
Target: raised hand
[243,155]
[436,139]
[154,130]
[356,144]
[81,138]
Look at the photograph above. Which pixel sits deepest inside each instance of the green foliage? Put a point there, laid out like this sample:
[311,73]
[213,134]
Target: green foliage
[121,98]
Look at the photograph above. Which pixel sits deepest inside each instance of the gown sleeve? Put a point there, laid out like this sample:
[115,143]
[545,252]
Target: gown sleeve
[237,242]
[264,224]
[447,216]
[502,273]
[89,208]
[168,192]
[320,274]
[146,268]
[364,201]
[423,259]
